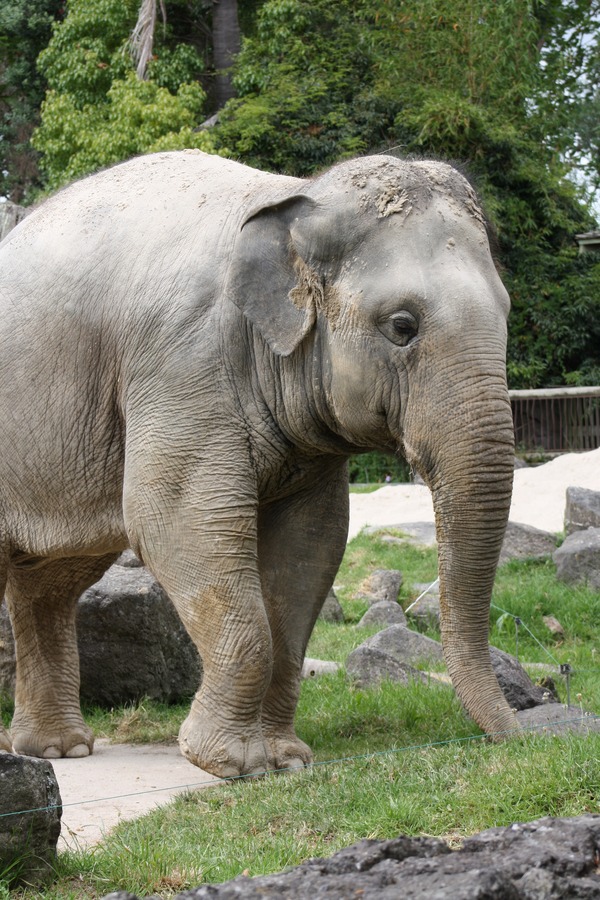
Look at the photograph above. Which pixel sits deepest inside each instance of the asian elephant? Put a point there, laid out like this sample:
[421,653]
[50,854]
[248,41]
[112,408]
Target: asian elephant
[190,350]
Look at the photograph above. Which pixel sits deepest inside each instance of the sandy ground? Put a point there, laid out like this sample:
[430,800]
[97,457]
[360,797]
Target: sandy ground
[538,496]
[122,781]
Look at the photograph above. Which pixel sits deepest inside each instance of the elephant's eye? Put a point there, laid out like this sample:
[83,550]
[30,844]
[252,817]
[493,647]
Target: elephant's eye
[404,327]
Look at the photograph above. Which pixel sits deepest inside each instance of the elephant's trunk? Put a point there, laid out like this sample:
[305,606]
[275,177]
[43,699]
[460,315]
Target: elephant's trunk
[470,475]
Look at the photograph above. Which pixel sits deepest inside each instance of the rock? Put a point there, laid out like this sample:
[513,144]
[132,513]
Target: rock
[313,667]
[553,625]
[405,646]
[132,643]
[548,859]
[554,718]
[368,667]
[578,558]
[426,612]
[129,560]
[582,509]
[382,584]
[384,613]
[526,542]
[389,654]
[28,840]
[517,686]
[332,610]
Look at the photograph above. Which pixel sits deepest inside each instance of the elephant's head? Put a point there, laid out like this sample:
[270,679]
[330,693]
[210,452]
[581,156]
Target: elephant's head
[376,291]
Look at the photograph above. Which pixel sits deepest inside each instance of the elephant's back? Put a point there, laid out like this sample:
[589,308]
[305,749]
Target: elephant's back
[148,217]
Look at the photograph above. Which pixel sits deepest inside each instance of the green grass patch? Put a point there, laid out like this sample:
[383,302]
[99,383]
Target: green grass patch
[389,760]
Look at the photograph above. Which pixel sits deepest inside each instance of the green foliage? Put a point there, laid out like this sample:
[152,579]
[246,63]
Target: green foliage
[97,112]
[25,28]
[304,81]
[509,88]
[456,80]
[372,467]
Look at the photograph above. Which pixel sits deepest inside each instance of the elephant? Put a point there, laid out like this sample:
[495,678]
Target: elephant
[191,351]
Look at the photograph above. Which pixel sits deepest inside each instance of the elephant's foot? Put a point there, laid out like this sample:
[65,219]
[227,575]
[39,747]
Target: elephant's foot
[221,750]
[287,750]
[5,740]
[51,740]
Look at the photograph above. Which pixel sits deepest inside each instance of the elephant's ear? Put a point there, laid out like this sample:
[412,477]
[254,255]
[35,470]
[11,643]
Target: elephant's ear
[267,278]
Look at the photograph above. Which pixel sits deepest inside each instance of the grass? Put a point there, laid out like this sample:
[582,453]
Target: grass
[391,760]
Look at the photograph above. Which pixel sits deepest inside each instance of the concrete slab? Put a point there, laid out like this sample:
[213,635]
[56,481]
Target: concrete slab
[119,782]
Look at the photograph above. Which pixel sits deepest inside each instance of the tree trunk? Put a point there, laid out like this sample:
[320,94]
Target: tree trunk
[226,44]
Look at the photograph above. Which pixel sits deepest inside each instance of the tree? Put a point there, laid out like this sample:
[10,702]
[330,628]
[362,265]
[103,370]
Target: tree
[25,29]
[97,111]
[226,45]
[450,78]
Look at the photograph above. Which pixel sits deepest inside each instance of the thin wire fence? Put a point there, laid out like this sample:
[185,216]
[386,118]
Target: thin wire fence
[584,718]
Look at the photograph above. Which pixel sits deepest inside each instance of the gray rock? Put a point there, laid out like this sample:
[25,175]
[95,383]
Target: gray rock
[526,542]
[389,654]
[426,613]
[368,667]
[384,613]
[129,560]
[578,558]
[332,610]
[132,643]
[554,718]
[382,584]
[582,509]
[28,840]
[517,686]
[548,859]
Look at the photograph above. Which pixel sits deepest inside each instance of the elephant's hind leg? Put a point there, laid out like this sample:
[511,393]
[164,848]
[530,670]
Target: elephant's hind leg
[301,544]
[42,601]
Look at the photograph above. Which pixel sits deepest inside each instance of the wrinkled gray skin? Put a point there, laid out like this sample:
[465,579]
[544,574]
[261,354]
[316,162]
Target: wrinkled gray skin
[189,352]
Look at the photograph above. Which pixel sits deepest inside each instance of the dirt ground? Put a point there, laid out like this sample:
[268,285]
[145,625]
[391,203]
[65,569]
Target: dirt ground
[124,781]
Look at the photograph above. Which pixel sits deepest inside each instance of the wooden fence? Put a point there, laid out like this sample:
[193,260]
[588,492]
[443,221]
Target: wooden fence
[556,420]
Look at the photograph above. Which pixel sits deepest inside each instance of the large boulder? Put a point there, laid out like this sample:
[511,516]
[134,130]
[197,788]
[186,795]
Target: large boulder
[546,859]
[391,655]
[578,558]
[526,542]
[368,667]
[131,641]
[582,509]
[30,813]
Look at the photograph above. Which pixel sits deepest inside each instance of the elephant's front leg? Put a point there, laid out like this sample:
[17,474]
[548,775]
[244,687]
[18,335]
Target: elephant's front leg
[203,552]
[301,543]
